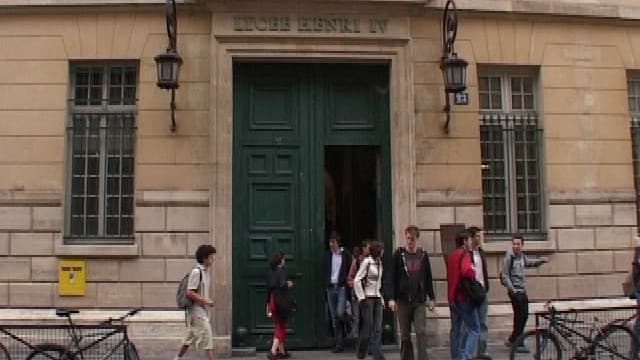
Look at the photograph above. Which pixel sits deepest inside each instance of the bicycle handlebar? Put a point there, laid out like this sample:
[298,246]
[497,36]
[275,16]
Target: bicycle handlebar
[549,306]
[121,318]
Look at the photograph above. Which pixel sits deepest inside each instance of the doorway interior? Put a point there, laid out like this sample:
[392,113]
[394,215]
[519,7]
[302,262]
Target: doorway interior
[351,193]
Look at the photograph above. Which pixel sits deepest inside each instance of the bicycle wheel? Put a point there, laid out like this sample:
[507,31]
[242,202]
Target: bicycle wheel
[4,353]
[536,344]
[130,352]
[50,352]
[615,342]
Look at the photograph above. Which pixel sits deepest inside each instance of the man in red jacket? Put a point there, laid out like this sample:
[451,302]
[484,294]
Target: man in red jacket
[459,265]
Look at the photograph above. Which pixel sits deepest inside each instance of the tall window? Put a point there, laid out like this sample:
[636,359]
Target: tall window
[634,108]
[510,138]
[101,133]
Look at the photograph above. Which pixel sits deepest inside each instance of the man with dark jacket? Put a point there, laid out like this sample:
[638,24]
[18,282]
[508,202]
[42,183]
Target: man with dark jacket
[410,289]
[337,263]
[479,261]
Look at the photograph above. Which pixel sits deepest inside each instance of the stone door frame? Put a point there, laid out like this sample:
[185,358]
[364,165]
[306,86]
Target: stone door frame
[225,48]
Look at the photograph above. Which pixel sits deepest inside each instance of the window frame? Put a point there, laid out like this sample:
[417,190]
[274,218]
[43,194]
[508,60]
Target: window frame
[633,82]
[102,111]
[506,74]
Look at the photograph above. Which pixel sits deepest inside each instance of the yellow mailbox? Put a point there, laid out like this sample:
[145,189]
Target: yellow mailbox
[71,277]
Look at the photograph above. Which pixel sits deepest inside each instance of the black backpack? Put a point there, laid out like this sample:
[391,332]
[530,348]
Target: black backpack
[473,290]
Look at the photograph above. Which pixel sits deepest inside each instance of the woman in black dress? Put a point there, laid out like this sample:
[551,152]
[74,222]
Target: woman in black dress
[279,304]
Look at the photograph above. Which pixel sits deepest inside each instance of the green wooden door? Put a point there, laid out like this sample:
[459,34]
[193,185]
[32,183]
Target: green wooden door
[284,116]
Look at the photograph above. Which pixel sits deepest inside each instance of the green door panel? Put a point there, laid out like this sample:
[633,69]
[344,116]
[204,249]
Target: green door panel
[355,108]
[272,222]
[283,117]
[268,193]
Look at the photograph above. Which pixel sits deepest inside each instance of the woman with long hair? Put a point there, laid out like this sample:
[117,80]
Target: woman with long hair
[279,305]
[367,285]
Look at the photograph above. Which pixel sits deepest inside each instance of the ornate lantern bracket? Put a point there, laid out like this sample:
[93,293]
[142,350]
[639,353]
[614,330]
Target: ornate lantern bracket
[454,69]
[168,63]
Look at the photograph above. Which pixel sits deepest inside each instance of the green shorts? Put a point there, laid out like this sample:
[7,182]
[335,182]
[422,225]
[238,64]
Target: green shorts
[199,333]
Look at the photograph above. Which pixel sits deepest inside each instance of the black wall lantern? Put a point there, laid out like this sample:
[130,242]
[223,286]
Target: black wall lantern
[168,63]
[454,69]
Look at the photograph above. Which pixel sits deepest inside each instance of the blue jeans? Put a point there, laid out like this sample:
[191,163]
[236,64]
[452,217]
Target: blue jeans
[637,324]
[481,311]
[336,299]
[463,313]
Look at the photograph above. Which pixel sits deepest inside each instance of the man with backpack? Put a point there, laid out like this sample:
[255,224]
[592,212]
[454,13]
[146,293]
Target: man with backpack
[410,290]
[479,261]
[196,301]
[461,307]
[513,278]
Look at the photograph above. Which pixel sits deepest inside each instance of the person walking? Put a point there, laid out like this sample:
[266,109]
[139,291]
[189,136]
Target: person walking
[512,276]
[337,264]
[635,267]
[367,286]
[199,333]
[410,290]
[463,311]
[278,304]
[358,257]
[479,261]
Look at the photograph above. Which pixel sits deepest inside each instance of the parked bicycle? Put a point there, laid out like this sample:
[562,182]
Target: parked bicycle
[106,340]
[559,337]
[4,353]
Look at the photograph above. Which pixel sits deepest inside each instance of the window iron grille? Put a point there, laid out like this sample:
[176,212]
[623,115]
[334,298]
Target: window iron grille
[511,176]
[635,144]
[102,135]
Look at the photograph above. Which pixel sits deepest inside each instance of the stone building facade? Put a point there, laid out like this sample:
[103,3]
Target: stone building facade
[574,66]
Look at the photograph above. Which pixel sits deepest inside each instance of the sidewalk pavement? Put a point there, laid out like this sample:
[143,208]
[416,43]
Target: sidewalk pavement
[497,352]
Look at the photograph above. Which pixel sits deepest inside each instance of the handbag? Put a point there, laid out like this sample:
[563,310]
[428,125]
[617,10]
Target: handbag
[285,303]
[472,289]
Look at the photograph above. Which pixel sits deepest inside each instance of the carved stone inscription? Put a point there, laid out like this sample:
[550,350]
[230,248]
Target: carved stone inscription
[316,24]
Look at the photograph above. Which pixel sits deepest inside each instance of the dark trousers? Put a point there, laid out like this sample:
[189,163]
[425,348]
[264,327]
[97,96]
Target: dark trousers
[371,315]
[416,314]
[520,305]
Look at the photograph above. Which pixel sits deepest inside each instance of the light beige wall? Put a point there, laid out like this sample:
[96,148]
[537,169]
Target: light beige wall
[582,73]
[172,176]
[583,100]
[587,147]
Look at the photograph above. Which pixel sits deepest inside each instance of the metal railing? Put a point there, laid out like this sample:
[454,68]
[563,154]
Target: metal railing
[107,340]
[21,341]
[605,332]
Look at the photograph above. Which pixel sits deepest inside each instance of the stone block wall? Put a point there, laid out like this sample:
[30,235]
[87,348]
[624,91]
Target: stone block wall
[172,169]
[165,252]
[581,93]
[589,260]
[589,252]
[582,69]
